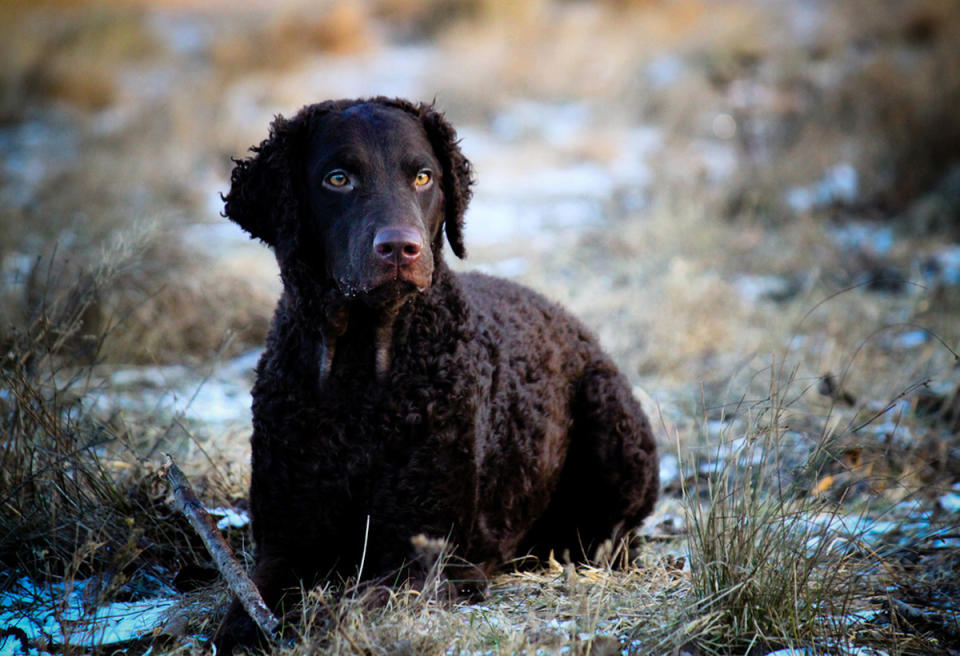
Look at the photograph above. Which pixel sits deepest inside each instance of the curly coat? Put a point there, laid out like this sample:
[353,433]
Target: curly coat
[471,409]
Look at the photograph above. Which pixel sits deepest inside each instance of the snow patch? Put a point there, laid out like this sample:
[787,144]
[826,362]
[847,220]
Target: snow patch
[839,184]
[63,615]
[229,518]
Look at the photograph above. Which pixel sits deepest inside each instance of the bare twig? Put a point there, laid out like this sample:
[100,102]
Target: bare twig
[234,574]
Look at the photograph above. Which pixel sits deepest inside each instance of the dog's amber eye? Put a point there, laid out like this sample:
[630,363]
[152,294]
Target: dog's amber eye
[423,178]
[337,179]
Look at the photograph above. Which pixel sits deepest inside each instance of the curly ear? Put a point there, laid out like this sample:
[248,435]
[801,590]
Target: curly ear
[262,193]
[457,176]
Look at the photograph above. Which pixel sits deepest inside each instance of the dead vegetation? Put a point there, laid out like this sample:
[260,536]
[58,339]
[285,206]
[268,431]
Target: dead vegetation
[77,499]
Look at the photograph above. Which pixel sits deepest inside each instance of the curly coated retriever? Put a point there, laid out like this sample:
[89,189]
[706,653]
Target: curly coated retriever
[398,398]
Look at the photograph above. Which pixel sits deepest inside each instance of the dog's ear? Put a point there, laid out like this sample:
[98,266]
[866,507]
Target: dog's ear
[456,177]
[262,193]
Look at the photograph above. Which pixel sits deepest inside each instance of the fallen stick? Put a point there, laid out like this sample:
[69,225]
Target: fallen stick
[927,619]
[234,574]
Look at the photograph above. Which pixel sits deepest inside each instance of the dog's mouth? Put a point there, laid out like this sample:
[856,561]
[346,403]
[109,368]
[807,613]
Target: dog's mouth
[409,278]
[391,292]
[387,289]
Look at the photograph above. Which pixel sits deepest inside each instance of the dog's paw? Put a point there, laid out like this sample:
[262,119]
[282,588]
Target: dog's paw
[237,631]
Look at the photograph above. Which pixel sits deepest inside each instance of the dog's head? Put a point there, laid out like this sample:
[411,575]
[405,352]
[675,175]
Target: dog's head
[358,192]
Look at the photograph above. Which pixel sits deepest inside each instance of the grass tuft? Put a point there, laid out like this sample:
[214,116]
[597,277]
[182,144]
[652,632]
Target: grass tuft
[765,572]
[77,496]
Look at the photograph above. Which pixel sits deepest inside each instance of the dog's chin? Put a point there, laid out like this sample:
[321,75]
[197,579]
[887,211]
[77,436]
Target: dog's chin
[391,292]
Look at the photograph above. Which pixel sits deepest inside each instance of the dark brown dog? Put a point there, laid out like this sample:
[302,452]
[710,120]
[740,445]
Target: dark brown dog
[461,407]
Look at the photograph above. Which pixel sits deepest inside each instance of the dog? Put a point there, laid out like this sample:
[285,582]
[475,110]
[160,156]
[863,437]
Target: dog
[397,401]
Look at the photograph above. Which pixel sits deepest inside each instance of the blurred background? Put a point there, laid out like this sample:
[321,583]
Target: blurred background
[693,177]
[750,201]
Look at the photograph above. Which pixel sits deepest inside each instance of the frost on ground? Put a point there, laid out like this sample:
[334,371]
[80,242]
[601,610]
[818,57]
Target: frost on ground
[55,617]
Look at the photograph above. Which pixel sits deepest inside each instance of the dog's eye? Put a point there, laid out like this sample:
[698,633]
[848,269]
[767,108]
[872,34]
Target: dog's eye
[423,178]
[337,179]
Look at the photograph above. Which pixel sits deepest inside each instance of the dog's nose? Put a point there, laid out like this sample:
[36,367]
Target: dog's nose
[399,246]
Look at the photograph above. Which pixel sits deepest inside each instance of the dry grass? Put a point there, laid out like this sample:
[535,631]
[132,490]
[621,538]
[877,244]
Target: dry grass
[561,609]
[66,53]
[142,299]
[874,88]
[290,36]
[765,573]
[76,498]
[81,504]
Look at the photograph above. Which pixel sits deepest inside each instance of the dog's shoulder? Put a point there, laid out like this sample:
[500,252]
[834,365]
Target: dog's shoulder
[501,300]
[485,291]
[527,325]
